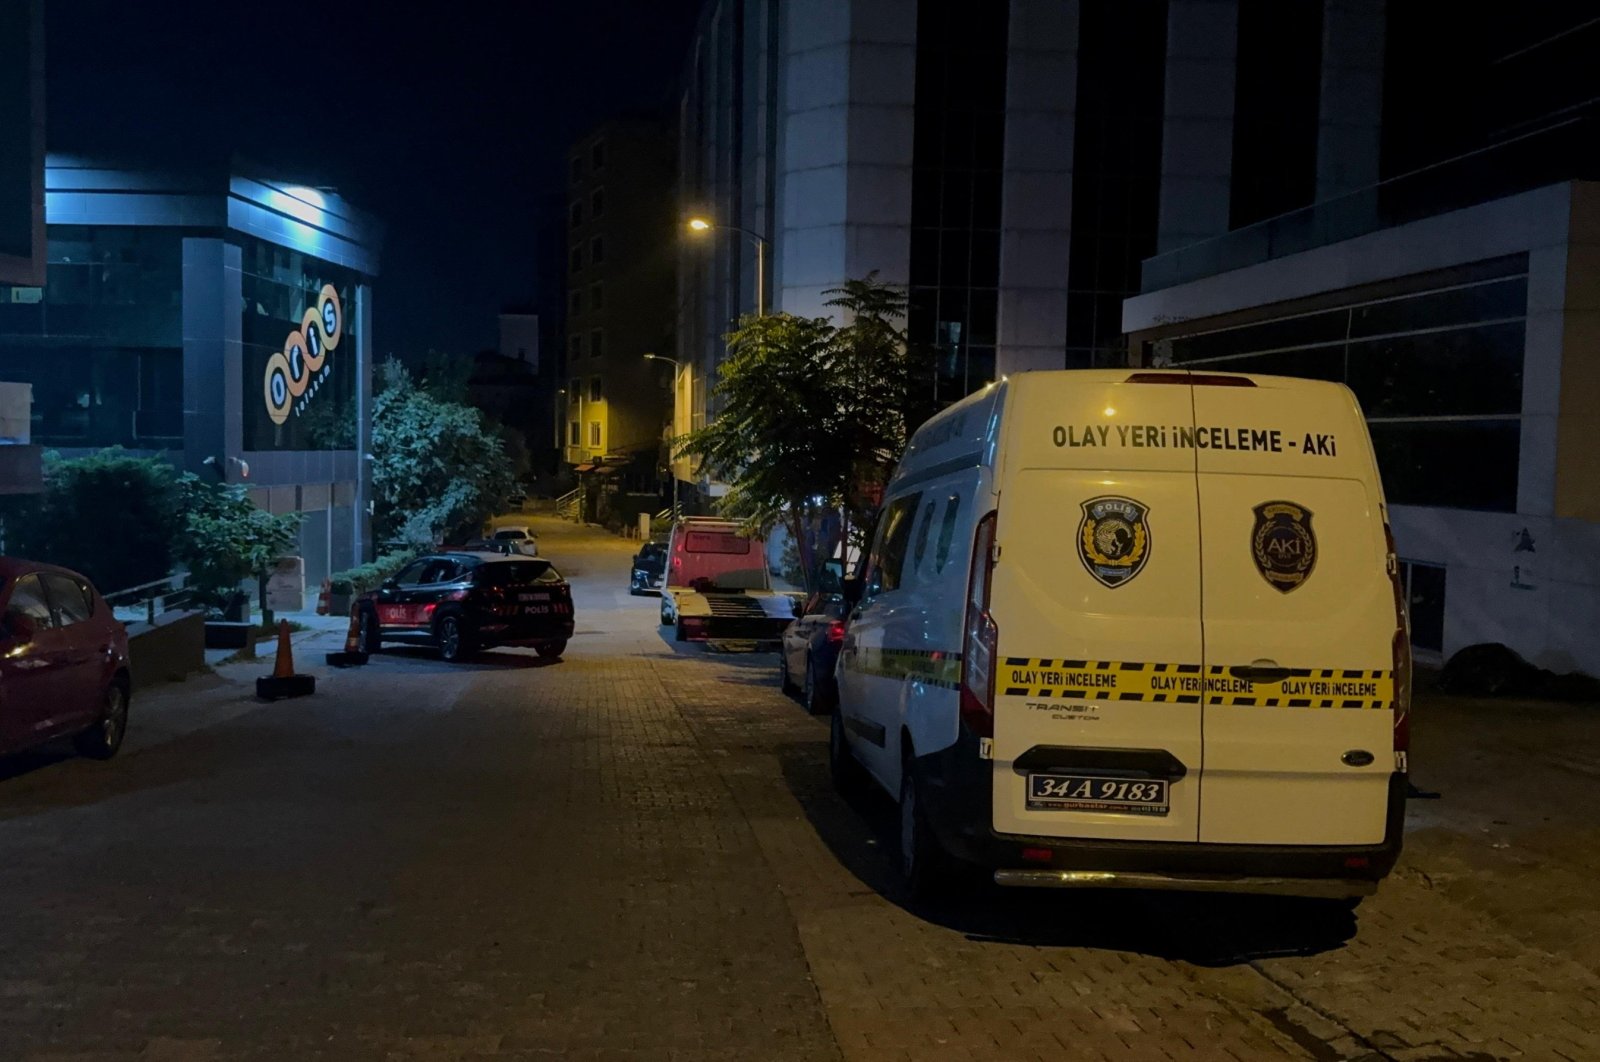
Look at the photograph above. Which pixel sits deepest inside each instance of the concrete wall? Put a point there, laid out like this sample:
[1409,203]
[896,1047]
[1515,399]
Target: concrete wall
[1036,202]
[167,650]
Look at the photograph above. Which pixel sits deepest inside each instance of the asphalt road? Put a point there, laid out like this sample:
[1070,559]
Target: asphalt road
[634,853]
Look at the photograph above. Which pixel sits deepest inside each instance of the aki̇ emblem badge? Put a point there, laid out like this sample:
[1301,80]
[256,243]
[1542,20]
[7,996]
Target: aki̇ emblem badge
[1283,544]
[1114,539]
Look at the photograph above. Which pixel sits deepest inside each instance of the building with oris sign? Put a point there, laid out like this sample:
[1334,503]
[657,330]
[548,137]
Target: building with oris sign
[219,318]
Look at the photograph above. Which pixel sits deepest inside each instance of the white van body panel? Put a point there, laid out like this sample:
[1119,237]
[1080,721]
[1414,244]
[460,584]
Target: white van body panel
[1064,444]
[900,660]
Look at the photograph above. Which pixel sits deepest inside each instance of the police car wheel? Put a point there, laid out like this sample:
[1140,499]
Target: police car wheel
[455,645]
[367,640]
[924,867]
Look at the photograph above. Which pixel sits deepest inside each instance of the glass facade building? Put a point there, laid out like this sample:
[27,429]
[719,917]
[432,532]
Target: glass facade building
[218,319]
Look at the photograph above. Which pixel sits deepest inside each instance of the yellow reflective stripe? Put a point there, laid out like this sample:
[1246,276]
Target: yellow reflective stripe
[1160,682]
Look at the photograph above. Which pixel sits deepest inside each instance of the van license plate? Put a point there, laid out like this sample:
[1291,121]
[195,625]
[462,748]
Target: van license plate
[1085,792]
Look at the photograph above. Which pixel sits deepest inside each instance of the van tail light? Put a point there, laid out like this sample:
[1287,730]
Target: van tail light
[836,632]
[981,634]
[1400,646]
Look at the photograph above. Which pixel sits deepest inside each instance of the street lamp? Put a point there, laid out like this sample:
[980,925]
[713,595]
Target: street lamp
[677,369]
[700,224]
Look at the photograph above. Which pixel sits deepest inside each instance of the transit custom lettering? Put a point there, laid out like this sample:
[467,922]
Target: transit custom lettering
[1322,688]
[1183,437]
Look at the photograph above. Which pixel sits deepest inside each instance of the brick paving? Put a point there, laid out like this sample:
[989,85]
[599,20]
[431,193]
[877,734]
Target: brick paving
[635,854]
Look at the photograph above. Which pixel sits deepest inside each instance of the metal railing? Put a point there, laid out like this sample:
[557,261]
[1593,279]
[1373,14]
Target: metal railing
[568,504]
[153,598]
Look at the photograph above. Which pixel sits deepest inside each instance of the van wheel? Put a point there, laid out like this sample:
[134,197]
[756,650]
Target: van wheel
[848,777]
[925,867]
[785,683]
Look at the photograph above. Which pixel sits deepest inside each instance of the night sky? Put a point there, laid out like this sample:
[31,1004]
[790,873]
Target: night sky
[451,129]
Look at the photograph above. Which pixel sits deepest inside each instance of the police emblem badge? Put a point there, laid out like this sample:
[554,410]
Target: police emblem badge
[1284,545]
[1114,539]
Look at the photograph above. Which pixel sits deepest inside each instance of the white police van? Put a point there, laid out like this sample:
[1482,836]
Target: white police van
[1125,628]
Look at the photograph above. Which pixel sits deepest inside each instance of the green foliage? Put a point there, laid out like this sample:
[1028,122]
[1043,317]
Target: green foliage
[110,516]
[811,415]
[436,465]
[224,539]
[370,576]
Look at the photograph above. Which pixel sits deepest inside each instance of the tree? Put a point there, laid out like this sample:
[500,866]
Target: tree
[224,539]
[811,417]
[110,516]
[437,467]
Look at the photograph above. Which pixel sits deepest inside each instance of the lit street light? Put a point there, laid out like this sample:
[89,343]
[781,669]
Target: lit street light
[699,224]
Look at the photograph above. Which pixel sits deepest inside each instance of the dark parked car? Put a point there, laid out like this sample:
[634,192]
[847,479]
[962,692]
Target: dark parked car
[811,648]
[462,602]
[63,661]
[649,569]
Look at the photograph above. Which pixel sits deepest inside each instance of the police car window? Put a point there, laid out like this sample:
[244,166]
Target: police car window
[443,571]
[923,527]
[893,541]
[515,573]
[947,532]
[412,573]
[70,598]
[27,599]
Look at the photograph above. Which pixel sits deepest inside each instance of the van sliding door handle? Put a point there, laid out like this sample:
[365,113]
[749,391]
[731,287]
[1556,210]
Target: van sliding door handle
[1253,673]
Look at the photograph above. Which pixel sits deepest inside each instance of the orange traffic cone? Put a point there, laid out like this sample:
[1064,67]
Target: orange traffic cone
[283,682]
[352,654]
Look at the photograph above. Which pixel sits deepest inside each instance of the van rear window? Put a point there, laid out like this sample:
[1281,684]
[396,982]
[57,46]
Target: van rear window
[716,542]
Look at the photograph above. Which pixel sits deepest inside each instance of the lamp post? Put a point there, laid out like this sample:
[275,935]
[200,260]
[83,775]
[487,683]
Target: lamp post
[677,369]
[701,224]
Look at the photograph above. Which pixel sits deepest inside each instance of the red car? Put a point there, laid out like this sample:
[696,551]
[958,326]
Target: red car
[63,661]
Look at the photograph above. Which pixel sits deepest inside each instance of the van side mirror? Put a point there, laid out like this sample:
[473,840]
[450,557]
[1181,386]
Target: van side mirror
[850,589]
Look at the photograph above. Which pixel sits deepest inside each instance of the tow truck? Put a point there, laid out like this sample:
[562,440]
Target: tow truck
[717,586]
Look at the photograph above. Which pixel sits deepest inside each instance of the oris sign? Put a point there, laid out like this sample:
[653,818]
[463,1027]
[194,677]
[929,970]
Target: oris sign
[296,373]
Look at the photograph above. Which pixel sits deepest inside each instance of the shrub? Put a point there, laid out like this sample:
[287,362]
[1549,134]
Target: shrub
[370,576]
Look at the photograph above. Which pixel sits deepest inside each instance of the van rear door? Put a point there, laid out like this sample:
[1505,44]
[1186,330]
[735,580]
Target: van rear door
[1096,601]
[1299,616]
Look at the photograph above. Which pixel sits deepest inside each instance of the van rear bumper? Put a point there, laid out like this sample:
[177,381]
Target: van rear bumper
[957,791]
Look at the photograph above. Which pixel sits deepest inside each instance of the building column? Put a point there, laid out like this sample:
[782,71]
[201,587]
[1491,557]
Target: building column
[1351,103]
[1036,202]
[213,354]
[1197,133]
[361,526]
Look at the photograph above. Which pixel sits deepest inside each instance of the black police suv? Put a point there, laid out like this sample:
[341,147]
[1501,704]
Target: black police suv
[464,601]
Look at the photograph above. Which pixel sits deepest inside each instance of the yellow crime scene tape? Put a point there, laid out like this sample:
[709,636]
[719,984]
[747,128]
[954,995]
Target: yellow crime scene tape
[1171,683]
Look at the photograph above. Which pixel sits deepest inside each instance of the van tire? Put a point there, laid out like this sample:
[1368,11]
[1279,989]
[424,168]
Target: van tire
[926,869]
[849,778]
[785,681]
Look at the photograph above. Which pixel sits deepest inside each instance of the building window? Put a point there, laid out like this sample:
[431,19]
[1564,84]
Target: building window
[597,155]
[574,434]
[1438,374]
[576,168]
[1275,125]
[597,202]
[577,259]
[575,214]
[597,343]
[597,296]
[575,348]
[575,302]
[594,434]
[595,392]
[597,250]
